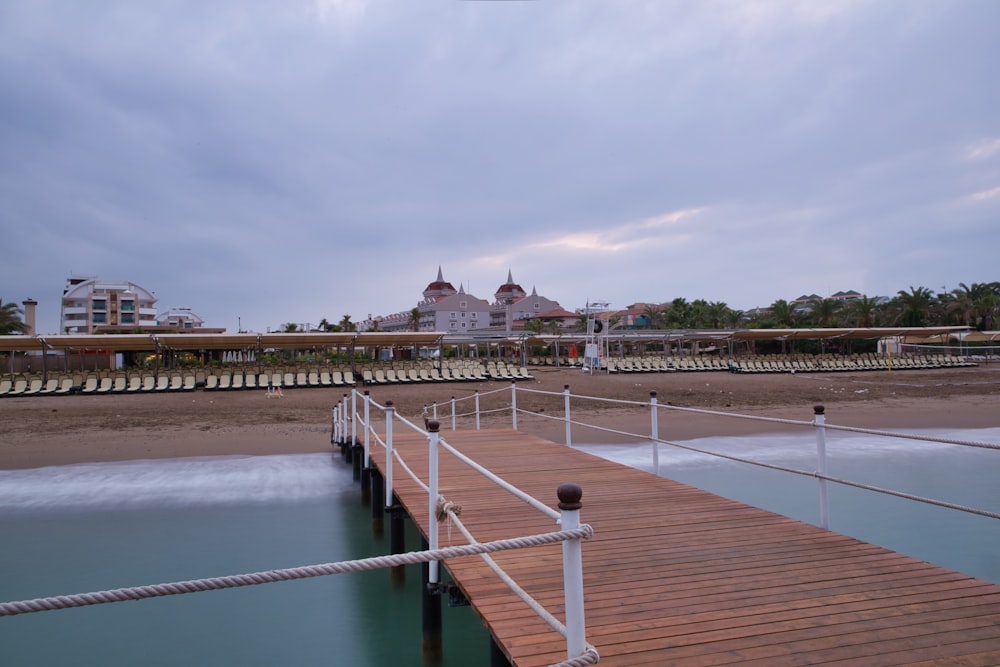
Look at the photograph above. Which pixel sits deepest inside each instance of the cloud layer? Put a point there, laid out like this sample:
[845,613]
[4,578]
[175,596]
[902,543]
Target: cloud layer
[286,162]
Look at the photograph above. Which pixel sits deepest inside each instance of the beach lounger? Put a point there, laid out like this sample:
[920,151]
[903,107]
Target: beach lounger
[89,385]
[20,386]
[176,382]
[414,375]
[65,385]
[311,380]
[337,379]
[211,382]
[238,381]
[6,385]
[148,383]
[34,387]
[162,383]
[325,380]
[134,384]
[349,378]
[190,382]
[50,386]
[291,380]
[105,386]
[119,384]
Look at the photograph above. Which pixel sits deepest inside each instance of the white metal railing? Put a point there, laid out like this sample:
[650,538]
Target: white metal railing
[817,424]
[347,419]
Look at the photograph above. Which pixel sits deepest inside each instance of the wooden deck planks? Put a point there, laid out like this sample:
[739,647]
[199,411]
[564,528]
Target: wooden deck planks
[675,575]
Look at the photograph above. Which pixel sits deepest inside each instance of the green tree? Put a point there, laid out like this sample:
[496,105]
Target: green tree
[913,308]
[10,318]
[346,324]
[783,314]
[414,319]
[862,312]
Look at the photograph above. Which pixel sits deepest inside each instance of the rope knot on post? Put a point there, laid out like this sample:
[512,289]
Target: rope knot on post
[446,506]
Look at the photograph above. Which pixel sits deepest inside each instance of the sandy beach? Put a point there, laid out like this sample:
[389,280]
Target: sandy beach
[51,430]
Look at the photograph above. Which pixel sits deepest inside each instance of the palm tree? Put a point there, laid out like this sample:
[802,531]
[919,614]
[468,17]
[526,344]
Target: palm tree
[346,324]
[863,312]
[717,314]
[655,316]
[677,316]
[783,313]
[914,307]
[10,318]
[414,319]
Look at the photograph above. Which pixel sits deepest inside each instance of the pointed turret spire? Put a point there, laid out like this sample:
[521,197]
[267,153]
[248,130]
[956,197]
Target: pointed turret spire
[510,277]
[440,277]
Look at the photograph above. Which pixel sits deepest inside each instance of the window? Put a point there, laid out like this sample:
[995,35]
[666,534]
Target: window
[100,318]
[463,314]
[100,304]
[128,306]
[537,305]
[463,304]
[128,318]
[453,315]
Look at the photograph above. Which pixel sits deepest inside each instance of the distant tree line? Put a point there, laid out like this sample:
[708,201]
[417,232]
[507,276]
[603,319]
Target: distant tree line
[976,305]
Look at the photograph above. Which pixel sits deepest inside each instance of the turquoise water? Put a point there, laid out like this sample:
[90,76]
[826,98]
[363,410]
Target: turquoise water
[75,529]
[963,475]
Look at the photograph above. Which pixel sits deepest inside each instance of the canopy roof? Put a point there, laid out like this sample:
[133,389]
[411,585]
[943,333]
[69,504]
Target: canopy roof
[258,341]
[197,342]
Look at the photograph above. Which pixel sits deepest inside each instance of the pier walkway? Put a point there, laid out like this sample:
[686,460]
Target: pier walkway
[679,576]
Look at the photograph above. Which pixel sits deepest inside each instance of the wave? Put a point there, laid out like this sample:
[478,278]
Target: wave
[183,482]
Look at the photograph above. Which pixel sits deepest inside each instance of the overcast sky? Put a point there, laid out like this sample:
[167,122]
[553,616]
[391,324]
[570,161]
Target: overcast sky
[272,162]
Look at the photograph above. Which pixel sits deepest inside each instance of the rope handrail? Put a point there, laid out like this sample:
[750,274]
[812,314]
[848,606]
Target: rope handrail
[911,436]
[289,574]
[795,471]
[525,597]
[499,481]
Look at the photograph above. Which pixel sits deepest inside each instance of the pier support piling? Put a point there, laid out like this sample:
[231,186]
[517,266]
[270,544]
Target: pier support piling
[378,509]
[430,598]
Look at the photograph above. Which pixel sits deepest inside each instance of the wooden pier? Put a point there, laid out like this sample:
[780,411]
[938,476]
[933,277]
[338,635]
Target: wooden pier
[678,576]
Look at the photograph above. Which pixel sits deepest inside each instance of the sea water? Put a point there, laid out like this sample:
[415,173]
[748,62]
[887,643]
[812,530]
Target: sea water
[956,474]
[82,528]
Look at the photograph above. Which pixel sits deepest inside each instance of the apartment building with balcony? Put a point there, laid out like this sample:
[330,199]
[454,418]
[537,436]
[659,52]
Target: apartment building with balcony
[91,304]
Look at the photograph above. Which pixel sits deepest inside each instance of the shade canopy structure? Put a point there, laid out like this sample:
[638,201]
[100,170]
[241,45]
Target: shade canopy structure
[387,339]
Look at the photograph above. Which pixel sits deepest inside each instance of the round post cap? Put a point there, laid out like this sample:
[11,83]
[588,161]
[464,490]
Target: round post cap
[569,496]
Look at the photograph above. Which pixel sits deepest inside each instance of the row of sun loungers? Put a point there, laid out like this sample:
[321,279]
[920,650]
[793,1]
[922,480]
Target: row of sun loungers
[121,383]
[769,363]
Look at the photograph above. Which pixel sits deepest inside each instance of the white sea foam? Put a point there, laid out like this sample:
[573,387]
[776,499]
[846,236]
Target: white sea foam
[210,480]
[790,448]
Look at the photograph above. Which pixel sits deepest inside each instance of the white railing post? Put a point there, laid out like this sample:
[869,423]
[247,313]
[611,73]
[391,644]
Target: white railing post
[513,404]
[343,419]
[576,626]
[477,409]
[334,425]
[569,423]
[434,407]
[368,457]
[819,419]
[452,413]
[390,412]
[354,415]
[655,430]
[432,523]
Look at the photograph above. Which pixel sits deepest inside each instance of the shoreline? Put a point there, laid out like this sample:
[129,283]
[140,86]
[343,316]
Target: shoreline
[47,431]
